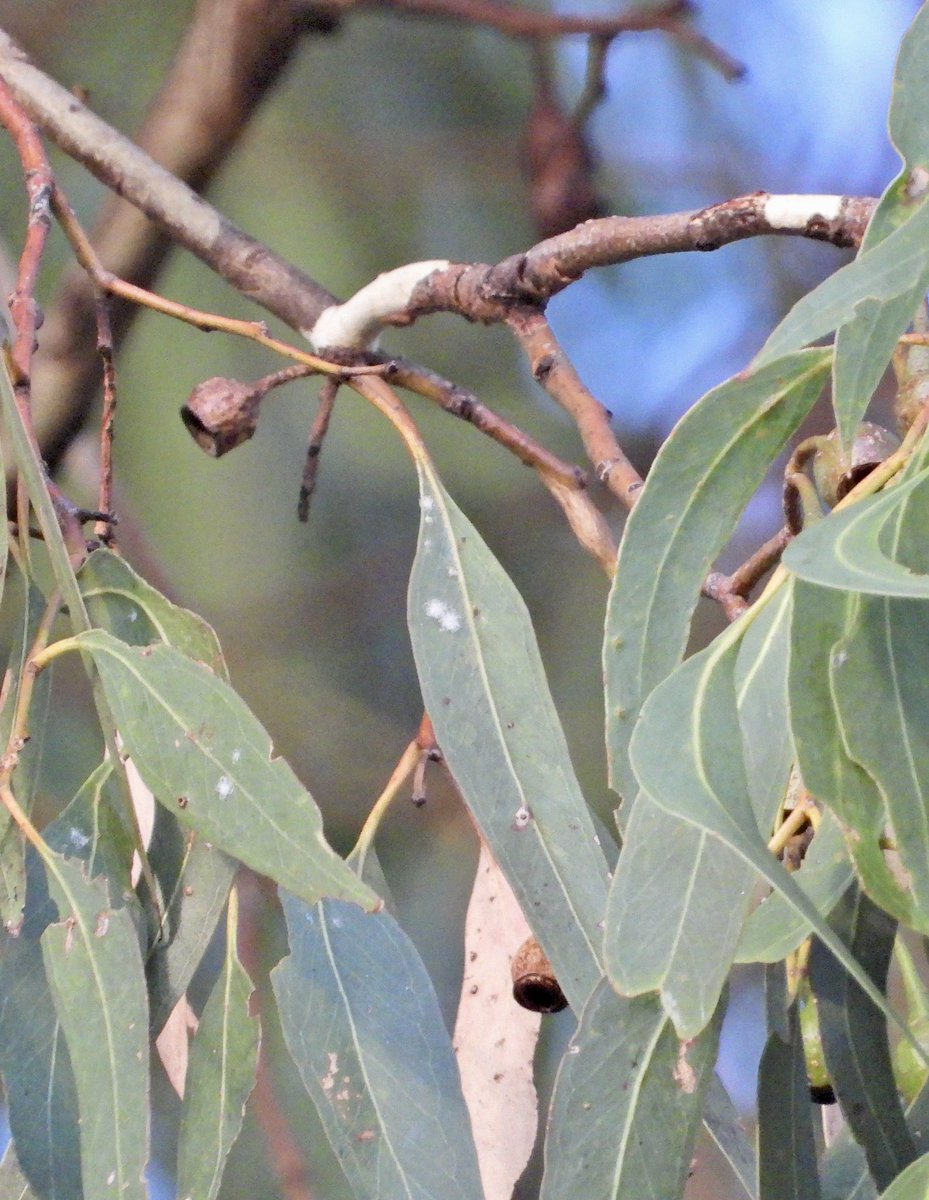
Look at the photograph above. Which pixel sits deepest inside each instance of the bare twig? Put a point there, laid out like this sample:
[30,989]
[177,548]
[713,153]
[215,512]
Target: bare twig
[732,591]
[232,53]
[104,529]
[555,371]
[318,431]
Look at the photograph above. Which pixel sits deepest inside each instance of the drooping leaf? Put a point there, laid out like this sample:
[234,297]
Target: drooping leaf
[786,1147]
[627,1102]
[194,878]
[882,665]
[679,897]
[820,619]
[675,912]
[865,342]
[362,1024]
[220,1077]
[125,605]
[704,476]
[484,687]
[854,1036]
[94,968]
[206,757]
[910,1072]
[855,550]
[687,755]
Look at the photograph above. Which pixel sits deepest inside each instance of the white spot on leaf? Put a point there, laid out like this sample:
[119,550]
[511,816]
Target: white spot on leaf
[225,787]
[446,617]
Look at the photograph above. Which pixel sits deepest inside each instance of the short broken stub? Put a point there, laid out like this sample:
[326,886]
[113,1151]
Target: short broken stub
[221,414]
[534,984]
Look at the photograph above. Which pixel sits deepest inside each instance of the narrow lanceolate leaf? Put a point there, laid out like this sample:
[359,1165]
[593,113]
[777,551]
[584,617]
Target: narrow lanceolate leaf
[882,665]
[855,550]
[37,1077]
[854,1036]
[675,912]
[194,878]
[820,619]
[363,1026]
[786,1147]
[865,342]
[774,929]
[679,896]
[687,754]
[206,757]
[627,1103]
[94,967]
[704,476]
[121,602]
[845,1172]
[220,1077]
[485,689]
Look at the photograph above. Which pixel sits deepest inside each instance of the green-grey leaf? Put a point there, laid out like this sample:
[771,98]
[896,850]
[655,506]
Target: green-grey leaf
[866,341]
[687,755]
[121,602]
[854,1036]
[363,1026]
[485,689]
[37,1076]
[675,912]
[820,619]
[704,476]
[775,929]
[882,666]
[627,1103]
[786,1147]
[94,968]
[854,550]
[206,757]
[194,878]
[220,1077]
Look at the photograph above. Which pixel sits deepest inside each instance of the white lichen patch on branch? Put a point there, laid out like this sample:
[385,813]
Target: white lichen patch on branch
[796,212]
[359,322]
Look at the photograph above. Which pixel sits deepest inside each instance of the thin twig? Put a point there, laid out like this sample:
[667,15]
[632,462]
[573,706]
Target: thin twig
[104,528]
[555,372]
[318,431]
[732,591]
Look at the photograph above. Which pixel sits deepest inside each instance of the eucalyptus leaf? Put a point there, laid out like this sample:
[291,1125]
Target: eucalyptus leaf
[820,619]
[913,1184]
[13,1183]
[220,1077]
[854,550]
[854,1037]
[702,479]
[94,968]
[627,1102]
[207,758]
[865,343]
[687,755]
[125,605]
[722,1123]
[485,689]
[786,1146]
[362,1024]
